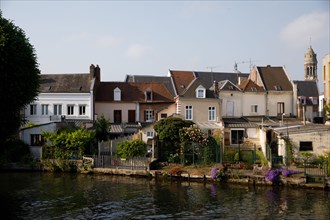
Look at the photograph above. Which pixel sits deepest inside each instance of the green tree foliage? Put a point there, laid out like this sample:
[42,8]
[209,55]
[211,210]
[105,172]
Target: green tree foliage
[168,131]
[102,128]
[67,144]
[327,110]
[131,148]
[19,76]
[15,151]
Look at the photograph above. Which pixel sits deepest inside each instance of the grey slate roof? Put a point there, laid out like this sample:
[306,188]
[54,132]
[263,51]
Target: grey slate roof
[307,88]
[207,79]
[65,83]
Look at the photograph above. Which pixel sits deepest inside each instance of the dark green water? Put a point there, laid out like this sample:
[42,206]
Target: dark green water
[66,196]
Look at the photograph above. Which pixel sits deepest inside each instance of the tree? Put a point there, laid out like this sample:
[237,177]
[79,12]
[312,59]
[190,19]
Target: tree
[19,76]
[168,131]
[102,128]
[67,143]
[131,148]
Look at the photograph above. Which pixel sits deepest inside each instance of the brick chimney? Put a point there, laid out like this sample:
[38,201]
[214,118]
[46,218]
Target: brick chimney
[91,71]
[216,88]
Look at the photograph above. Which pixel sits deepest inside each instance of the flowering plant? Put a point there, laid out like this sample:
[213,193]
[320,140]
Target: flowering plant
[217,173]
[273,175]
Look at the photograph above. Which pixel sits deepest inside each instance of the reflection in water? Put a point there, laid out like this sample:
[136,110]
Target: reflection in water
[66,196]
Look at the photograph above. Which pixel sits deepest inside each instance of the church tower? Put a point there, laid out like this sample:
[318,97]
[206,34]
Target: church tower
[310,65]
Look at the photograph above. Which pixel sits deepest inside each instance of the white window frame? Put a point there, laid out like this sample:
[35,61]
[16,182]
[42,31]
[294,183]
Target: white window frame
[200,92]
[149,115]
[150,134]
[117,94]
[57,109]
[254,108]
[70,109]
[33,109]
[212,113]
[44,109]
[189,112]
[82,109]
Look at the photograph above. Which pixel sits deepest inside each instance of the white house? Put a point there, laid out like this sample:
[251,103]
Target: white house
[64,96]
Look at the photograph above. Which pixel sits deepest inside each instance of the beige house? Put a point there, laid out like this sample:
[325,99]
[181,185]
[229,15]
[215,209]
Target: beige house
[278,90]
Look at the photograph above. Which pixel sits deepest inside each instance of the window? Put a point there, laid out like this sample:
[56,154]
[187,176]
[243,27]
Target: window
[253,89]
[70,110]
[163,115]
[57,109]
[44,109]
[211,113]
[148,115]
[33,109]
[280,108]
[237,136]
[200,92]
[148,95]
[189,112]
[117,116]
[82,109]
[150,134]
[254,108]
[278,87]
[37,140]
[117,94]
[306,146]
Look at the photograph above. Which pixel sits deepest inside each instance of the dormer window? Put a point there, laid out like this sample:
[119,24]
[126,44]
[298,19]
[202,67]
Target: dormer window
[231,87]
[148,95]
[200,92]
[117,94]
[253,89]
[278,88]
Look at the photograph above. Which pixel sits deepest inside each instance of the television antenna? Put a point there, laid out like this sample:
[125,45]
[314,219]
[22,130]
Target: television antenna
[243,62]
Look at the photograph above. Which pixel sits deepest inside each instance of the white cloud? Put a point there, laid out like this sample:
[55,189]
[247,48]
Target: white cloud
[314,26]
[137,51]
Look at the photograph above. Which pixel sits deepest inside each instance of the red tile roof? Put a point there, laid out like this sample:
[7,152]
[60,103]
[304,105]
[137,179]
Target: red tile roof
[133,92]
[181,79]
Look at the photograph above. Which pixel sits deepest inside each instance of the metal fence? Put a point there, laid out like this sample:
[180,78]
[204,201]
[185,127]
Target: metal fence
[135,163]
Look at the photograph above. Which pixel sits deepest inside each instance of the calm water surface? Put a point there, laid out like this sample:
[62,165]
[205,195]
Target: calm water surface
[66,196]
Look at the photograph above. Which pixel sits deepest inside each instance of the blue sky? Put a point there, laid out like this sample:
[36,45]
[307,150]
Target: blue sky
[151,37]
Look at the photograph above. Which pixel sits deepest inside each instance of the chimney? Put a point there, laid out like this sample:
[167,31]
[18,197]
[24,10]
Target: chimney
[216,88]
[92,71]
[97,73]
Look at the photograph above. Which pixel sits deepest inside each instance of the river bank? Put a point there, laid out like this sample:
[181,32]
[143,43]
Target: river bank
[191,174]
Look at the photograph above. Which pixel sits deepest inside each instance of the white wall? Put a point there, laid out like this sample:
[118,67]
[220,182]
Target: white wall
[64,99]
[25,136]
[274,97]
[236,98]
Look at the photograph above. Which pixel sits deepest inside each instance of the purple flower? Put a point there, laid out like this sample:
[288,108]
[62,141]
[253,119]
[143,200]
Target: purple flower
[214,172]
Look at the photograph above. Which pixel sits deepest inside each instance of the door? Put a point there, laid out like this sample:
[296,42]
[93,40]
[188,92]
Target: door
[131,116]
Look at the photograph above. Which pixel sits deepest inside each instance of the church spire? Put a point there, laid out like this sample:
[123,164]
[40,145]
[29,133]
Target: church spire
[310,64]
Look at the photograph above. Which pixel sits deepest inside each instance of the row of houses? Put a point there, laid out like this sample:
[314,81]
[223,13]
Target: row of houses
[261,107]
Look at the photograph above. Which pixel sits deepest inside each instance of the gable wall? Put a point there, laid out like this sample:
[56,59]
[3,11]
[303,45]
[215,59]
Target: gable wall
[200,108]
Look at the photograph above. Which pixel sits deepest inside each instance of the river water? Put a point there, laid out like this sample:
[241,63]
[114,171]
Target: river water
[74,196]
